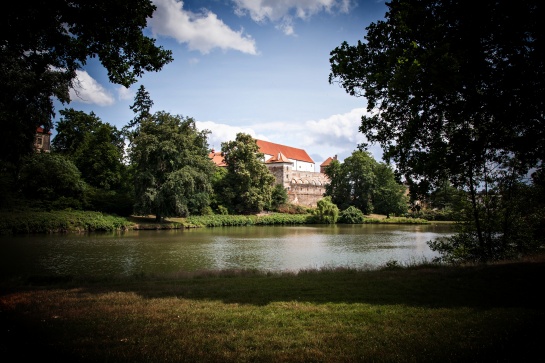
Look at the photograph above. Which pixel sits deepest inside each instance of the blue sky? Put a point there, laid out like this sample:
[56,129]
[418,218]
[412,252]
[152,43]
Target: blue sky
[254,66]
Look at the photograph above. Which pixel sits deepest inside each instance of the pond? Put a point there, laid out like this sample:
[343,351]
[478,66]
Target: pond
[267,248]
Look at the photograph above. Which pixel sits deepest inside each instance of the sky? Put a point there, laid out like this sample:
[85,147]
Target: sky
[255,66]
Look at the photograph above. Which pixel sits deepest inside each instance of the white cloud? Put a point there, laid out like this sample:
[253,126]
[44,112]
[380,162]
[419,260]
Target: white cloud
[336,129]
[88,90]
[201,31]
[283,12]
[223,133]
[124,93]
[335,135]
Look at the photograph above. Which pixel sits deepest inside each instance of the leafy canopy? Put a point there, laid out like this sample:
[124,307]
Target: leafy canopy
[360,181]
[450,89]
[44,43]
[248,185]
[96,148]
[456,92]
[172,170]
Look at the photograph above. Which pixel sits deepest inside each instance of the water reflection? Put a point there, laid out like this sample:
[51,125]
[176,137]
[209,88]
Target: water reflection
[260,247]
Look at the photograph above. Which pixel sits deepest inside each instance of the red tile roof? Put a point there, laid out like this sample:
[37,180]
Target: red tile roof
[279,158]
[328,161]
[217,158]
[270,148]
[40,130]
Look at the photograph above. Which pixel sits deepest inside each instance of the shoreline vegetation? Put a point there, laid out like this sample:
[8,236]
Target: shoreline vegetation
[415,313]
[25,222]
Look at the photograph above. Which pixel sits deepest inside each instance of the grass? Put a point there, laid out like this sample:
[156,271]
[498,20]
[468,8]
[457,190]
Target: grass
[418,313]
[35,221]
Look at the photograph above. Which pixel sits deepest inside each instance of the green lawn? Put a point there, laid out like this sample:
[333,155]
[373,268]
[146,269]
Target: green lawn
[400,314]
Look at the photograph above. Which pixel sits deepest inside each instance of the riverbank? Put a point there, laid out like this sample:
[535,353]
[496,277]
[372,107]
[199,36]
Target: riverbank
[20,222]
[424,313]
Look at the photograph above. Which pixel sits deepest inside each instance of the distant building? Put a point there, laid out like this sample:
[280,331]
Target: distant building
[293,168]
[301,161]
[42,140]
[326,163]
[216,157]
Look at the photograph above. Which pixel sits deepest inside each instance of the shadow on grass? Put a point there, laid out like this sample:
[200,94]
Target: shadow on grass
[491,286]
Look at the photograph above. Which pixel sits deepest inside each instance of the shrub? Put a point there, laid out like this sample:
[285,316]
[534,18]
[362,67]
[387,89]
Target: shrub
[351,215]
[289,208]
[327,211]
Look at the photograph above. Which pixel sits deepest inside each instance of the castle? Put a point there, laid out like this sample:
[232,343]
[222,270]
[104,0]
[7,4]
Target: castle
[293,168]
[42,140]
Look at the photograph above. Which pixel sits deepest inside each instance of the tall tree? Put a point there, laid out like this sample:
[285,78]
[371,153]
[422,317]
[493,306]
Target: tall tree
[388,195]
[171,165]
[95,147]
[248,184]
[338,188]
[141,106]
[362,182]
[44,43]
[352,182]
[453,93]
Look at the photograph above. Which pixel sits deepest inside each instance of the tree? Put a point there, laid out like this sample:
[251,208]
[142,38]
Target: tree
[454,94]
[51,181]
[172,170]
[338,188]
[96,148]
[279,196]
[352,182]
[360,181]
[249,183]
[43,45]
[388,195]
[141,107]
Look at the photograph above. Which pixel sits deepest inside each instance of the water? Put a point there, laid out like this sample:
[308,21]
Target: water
[268,248]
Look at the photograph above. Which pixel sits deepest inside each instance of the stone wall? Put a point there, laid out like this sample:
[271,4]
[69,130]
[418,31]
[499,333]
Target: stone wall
[304,187]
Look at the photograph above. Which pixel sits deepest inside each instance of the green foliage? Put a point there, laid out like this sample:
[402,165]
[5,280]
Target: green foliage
[326,211]
[59,221]
[96,148]
[362,182]
[217,197]
[248,220]
[248,185]
[52,181]
[352,182]
[458,96]
[435,215]
[117,202]
[222,210]
[351,215]
[279,196]
[141,107]
[172,170]
[511,221]
[44,44]
[388,195]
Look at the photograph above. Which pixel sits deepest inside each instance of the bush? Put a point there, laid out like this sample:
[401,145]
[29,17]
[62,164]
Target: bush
[326,211]
[351,215]
[289,208]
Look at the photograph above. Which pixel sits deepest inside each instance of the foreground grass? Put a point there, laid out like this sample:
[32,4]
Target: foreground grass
[403,314]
